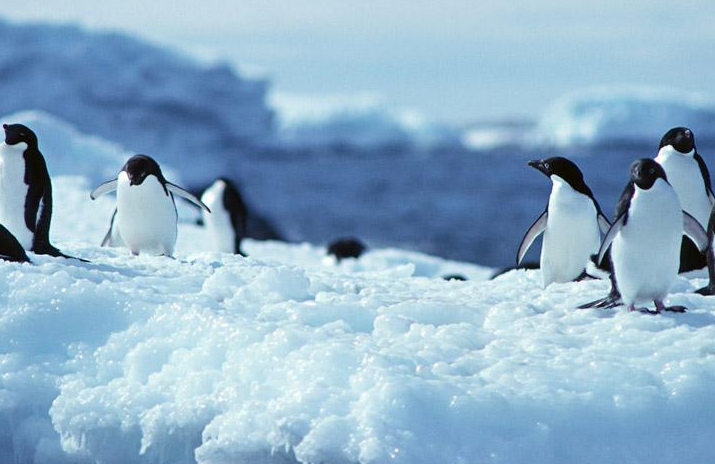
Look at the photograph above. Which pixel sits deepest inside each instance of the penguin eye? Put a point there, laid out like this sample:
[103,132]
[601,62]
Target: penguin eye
[22,134]
[546,165]
[652,171]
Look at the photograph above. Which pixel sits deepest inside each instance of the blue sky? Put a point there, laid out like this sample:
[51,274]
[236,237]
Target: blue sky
[455,60]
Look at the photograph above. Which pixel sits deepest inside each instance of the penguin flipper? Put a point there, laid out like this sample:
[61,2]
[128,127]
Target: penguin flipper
[694,231]
[176,190]
[610,235]
[11,248]
[603,223]
[109,186]
[534,231]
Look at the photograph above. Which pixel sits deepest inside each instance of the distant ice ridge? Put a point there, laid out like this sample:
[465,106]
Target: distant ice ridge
[354,121]
[487,136]
[628,114]
[148,99]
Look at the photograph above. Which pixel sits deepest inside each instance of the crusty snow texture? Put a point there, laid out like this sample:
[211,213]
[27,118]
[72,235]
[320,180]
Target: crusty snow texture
[288,357]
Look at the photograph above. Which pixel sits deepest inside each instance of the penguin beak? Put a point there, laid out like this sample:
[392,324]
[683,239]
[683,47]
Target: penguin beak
[538,164]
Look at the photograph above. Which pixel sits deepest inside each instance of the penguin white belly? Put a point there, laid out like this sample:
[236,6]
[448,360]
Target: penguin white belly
[146,216]
[218,222]
[13,191]
[571,235]
[686,179]
[646,251]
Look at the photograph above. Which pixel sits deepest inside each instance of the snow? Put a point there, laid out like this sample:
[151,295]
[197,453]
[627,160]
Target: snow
[287,356]
[630,114]
[363,121]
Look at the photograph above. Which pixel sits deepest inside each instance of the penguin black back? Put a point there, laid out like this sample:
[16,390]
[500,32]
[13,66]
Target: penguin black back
[346,248]
[234,204]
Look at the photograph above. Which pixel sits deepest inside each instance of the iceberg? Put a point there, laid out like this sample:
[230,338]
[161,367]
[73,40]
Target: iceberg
[360,121]
[145,98]
[628,114]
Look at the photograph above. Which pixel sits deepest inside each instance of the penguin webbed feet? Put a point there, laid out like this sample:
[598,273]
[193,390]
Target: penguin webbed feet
[610,301]
[50,250]
[659,308]
[707,290]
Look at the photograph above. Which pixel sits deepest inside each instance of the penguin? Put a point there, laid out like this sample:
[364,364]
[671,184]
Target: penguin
[346,248]
[146,216]
[645,237]
[10,248]
[226,225]
[570,223]
[26,191]
[688,175]
[709,289]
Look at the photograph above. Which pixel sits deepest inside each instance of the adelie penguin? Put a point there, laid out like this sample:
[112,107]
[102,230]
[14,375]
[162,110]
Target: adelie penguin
[226,224]
[645,237]
[26,191]
[145,218]
[688,175]
[347,247]
[570,223]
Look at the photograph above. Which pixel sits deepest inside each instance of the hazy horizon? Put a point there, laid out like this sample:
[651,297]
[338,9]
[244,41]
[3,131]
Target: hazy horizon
[451,61]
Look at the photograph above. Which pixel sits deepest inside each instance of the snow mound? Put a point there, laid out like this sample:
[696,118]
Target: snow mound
[355,121]
[147,99]
[285,357]
[606,115]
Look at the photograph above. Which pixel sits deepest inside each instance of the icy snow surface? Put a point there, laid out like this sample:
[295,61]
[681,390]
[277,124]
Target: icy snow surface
[287,357]
[628,114]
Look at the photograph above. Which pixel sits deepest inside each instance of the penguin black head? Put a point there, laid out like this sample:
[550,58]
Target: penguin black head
[680,138]
[346,248]
[17,133]
[564,168]
[138,167]
[645,171]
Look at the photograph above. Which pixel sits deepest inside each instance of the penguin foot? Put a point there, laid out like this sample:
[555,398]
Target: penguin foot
[676,309]
[706,290]
[659,306]
[50,250]
[652,312]
[608,302]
